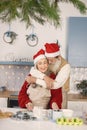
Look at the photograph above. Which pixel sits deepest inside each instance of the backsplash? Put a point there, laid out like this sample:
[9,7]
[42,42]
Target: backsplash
[13,76]
[76,76]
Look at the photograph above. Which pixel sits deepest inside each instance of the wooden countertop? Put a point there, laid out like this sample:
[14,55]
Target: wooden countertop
[8,94]
[76,97]
[70,97]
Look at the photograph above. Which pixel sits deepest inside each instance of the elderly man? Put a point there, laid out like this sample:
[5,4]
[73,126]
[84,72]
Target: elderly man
[60,67]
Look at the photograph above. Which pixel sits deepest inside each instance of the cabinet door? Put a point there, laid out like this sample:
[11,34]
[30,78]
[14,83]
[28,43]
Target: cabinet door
[78,106]
[3,102]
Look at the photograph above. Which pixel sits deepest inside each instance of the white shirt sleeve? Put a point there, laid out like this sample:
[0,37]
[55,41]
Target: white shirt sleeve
[36,73]
[62,76]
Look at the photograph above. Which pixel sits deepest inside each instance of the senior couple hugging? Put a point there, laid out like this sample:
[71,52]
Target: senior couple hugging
[48,80]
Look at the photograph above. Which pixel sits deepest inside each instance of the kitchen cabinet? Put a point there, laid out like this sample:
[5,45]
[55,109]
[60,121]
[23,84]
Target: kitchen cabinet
[77,103]
[78,106]
[9,99]
[3,102]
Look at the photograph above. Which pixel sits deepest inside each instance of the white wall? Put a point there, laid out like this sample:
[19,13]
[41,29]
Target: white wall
[46,33]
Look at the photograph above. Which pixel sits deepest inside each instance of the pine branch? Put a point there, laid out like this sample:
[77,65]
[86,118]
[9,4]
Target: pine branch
[41,11]
[79,5]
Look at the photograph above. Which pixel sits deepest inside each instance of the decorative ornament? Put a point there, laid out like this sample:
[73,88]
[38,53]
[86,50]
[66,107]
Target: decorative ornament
[32,39]
[9,36]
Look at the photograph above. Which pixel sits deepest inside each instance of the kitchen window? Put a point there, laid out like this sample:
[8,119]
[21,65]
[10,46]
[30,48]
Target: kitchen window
[77,41]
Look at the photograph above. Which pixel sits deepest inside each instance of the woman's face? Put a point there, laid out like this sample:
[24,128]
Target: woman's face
[42,65]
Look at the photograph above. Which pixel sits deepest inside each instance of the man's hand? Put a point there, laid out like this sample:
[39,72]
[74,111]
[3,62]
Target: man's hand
[29,106]
[30,79]
[55,106]
[49,82]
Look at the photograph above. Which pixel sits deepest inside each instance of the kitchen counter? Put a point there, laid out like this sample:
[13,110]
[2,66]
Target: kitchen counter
[11,98]
[14,94]
[76,97]
[11,124]
[7,94]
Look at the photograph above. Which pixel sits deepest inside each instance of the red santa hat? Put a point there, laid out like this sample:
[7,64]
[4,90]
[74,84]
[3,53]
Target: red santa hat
[52,49]
[39,55]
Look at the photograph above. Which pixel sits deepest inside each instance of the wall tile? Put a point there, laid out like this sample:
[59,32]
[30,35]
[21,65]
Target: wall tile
[13,76]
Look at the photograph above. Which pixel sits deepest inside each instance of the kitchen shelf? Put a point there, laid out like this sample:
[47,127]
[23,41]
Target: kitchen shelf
[16,63]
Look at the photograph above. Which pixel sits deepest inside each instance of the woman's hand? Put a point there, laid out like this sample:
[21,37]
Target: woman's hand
[29,106]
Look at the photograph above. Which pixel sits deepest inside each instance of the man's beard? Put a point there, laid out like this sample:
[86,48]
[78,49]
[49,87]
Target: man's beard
[54,66]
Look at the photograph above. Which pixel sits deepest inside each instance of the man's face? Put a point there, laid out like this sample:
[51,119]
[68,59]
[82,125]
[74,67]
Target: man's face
[54,64]
[51,60]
